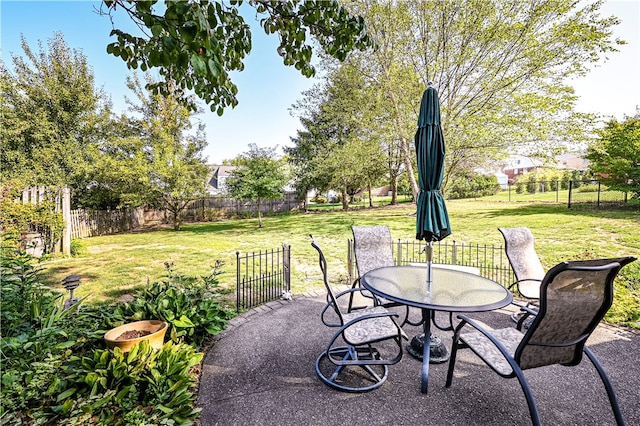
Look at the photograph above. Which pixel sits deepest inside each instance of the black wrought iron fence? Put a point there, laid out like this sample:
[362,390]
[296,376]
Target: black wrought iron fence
[592,194]
[262,277]
[490,260]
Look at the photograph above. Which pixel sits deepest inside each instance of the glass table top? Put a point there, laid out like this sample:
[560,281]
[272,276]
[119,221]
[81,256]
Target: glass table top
[450,290]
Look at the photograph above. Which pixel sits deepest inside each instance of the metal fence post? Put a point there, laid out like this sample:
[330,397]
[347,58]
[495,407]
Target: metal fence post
[286,260]
[570,192]
[238,292]
[454,253]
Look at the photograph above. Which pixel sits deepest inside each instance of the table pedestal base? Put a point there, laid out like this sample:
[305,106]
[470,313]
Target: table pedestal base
[438,351]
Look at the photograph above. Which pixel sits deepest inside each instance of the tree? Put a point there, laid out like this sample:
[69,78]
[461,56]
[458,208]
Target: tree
[175,168]
[120,176]
[52,115]
[615,155]
[500,67]
[197,43]
[259,176]
[339,148]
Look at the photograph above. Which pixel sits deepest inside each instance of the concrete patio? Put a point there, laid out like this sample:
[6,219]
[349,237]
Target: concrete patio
[260,371]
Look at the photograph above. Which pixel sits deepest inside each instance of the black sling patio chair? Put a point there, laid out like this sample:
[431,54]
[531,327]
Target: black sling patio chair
[574,297]
[372,250]
[351,363]
[519,246]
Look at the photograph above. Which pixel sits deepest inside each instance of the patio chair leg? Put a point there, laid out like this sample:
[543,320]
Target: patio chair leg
[531,402]
[347,353]
[608,386]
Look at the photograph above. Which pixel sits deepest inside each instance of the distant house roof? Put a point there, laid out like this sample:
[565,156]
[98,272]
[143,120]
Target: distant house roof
[572,162]
[216,179]
[518,162]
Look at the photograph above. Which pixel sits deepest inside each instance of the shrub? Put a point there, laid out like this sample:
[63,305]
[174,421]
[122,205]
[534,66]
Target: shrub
[320,199]
[588,187]
[626,302]
[472,185]
[55,369]
[188,304]
[78,248]
[17,219]
[112,387]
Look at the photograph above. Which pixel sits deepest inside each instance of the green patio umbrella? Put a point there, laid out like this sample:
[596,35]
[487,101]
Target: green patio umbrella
[432,218]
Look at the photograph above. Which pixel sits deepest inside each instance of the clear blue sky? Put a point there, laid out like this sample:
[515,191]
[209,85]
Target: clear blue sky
[267,88]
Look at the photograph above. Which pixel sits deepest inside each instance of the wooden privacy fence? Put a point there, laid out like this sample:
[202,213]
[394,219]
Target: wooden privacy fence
[262,276]
[225,207]
[490,260]
[91,223]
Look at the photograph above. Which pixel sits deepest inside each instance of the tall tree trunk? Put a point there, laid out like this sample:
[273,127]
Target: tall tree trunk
[345,198]
[259,214]
[394,190]
[404,145]
[370,197]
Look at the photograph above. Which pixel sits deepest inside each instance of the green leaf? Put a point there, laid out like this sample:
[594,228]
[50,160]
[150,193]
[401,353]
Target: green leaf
[156,30]
[189,31]
[164,409]
[66,394]
[213,68]
[183,321]
[199,65]
[64,345]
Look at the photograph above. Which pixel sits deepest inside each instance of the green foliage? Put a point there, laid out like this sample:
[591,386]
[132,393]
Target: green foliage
[156,385]
[77,248]
[157,157]
[473,185]
[54,370]
[38,339]
[52,114]
[626,303]
[17,219]
[320,199]
[341,147]
[199,43]
[500,68]
[188,304]
[615,156]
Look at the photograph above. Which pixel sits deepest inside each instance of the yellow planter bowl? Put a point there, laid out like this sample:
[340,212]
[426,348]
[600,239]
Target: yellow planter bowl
[156,338]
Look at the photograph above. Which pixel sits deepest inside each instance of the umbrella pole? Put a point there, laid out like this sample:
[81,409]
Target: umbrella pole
[429,250]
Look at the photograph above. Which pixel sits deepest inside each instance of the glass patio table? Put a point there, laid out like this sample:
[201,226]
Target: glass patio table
[450,291]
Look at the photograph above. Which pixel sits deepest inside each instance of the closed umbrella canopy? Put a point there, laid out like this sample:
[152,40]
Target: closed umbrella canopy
[432,218]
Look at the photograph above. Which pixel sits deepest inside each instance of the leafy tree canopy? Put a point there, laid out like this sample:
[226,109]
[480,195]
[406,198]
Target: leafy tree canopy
[260,175]
[197,43]
[615,156]
[52,113]
[501,68]
[340,147]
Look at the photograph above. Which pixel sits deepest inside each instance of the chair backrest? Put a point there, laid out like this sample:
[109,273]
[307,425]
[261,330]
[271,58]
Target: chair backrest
[372,247]
[520,249]
[331,296]
[574,297]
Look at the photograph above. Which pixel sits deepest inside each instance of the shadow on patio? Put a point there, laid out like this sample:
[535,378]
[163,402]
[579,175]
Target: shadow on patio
[261,372]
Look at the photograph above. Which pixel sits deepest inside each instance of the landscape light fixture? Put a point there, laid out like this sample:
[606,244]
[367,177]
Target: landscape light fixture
[71,283]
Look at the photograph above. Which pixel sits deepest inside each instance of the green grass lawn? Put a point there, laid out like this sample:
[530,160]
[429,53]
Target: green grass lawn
[118,264]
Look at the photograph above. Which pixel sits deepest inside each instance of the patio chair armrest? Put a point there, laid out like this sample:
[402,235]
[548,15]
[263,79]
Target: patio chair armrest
[349,291]
[466,320]
[516,282]
[324,311]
